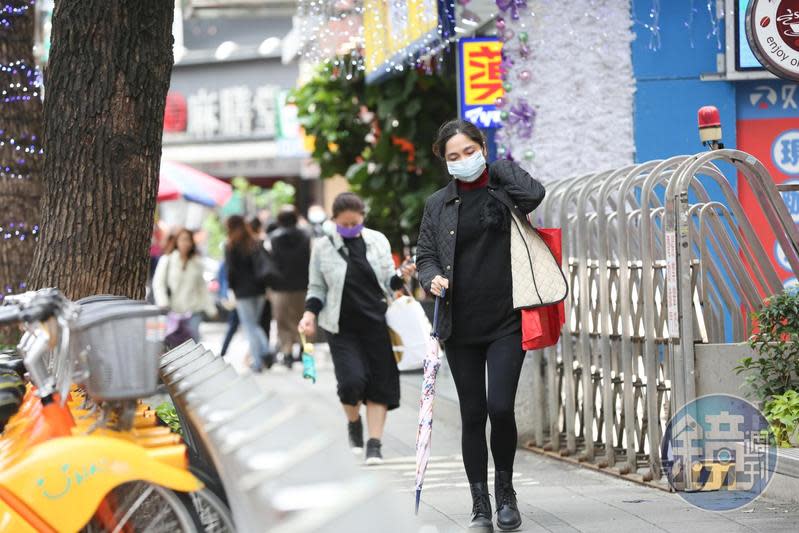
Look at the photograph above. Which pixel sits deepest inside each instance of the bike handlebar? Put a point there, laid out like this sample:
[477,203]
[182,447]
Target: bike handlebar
[35,308]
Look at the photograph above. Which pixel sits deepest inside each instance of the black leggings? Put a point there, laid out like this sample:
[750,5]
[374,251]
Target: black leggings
[468,364]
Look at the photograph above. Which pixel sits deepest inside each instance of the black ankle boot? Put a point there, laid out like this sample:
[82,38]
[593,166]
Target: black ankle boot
[508,517]
[481,508]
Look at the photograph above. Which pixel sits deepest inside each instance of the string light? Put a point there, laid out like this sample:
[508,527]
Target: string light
[19,231]
[9,289]
[13,10]
[714,23]
[23,144]
[689,24]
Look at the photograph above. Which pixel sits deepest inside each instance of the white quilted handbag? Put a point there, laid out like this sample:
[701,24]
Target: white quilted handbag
[537,277]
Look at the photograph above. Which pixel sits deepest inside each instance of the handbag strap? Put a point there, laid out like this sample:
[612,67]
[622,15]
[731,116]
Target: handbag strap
[346,258]
[340,251]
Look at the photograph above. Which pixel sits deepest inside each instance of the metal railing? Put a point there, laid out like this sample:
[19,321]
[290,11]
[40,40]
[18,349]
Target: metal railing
[655,266]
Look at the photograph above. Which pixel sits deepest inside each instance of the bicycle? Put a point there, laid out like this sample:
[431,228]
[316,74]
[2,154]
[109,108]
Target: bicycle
[78,454]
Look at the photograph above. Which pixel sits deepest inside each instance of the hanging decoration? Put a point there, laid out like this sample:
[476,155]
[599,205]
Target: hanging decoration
[328,29]
[380,36]
[517,115]
[514,8]
[653,25]
[569,86]
[689,24]
[715,24]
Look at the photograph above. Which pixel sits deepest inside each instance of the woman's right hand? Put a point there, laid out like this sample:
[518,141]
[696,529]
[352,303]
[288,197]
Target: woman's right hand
[439,283]
[307,325]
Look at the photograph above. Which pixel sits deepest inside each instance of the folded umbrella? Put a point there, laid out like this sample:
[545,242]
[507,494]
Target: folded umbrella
[432,363]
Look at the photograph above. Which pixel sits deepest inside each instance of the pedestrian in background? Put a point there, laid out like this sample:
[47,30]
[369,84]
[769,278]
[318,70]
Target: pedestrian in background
[179,285]
[351,277]
[464,246]
[265,320]
[316,218]
[228,302]
[291,248]
[249,291]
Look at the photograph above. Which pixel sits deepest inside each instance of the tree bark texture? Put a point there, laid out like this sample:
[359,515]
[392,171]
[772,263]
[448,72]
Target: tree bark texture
[107,79]
[20,145]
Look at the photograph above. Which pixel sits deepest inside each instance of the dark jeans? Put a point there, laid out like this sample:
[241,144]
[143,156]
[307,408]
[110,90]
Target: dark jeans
[504,358]
[233,325]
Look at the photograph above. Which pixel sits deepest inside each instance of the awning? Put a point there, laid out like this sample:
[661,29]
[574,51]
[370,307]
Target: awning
[181,181]
[278,159]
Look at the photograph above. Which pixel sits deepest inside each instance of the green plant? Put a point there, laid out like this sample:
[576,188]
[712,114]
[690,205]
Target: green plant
[380,137]
[280,194]
[782,412]
[169,416]
[776,341]
[329,108]
[217,234]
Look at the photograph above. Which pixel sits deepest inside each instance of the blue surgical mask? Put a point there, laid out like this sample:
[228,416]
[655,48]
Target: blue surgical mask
[469,169]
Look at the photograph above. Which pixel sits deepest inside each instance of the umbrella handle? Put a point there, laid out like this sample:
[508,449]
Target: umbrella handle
[435,312]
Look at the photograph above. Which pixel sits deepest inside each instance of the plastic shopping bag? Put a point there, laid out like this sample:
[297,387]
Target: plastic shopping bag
[410,329]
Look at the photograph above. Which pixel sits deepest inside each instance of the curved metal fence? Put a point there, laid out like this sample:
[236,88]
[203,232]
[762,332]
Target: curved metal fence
[656,267]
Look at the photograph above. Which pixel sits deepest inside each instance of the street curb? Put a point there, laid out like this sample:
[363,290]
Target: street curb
[609,471]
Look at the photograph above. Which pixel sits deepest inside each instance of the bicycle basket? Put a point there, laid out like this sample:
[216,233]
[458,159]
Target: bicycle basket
[122,343]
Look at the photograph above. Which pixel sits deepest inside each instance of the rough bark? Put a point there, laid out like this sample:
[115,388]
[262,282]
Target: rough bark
[107,80]
[21,121]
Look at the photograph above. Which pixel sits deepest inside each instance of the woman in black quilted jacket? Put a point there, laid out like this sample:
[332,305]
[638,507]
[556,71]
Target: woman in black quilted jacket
[464,247]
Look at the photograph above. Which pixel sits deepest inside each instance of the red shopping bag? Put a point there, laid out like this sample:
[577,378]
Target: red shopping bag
[541,326]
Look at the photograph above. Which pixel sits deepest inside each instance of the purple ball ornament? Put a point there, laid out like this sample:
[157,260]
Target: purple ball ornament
[500,102]
[500,24]
[525,76]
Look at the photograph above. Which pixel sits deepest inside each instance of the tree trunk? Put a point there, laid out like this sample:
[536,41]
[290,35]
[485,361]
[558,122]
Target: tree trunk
[20,121]
[107,80]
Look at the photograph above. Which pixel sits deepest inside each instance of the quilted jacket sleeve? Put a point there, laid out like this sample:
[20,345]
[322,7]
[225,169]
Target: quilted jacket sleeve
[523,189]
[427,262]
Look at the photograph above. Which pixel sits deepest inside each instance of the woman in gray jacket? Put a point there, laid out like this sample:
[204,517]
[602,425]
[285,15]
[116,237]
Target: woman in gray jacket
[351,279]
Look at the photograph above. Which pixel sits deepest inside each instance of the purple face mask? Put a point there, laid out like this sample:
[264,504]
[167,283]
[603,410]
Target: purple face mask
[349,233]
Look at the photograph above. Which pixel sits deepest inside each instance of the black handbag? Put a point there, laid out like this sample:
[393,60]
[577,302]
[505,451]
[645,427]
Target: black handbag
[264,266]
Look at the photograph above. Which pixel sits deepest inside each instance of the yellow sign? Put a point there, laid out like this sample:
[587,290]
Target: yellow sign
[479,61]
[482,81]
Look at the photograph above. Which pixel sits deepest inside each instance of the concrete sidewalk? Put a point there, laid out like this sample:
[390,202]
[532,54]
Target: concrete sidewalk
[553,496]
